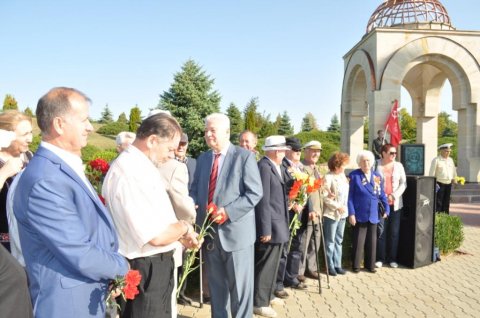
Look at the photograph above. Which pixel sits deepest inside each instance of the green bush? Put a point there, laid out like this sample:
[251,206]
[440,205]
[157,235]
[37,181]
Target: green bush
[112,129]
[107,155]
[448,232]
[88,152]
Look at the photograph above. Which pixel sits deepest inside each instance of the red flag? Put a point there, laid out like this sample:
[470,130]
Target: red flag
[393,126]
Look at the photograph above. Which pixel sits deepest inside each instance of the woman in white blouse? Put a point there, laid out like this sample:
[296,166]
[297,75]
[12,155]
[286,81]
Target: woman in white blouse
[395,184]
[335,210]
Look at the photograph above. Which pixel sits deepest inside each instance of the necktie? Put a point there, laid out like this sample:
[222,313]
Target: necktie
[213,178]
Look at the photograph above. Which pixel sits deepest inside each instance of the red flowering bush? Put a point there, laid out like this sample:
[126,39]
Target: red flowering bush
[128,286]
[95,172]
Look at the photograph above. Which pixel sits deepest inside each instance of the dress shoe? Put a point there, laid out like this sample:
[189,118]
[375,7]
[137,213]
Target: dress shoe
[300,286]
[356,270]
[264,311]
[206,299]
[184,300]
[332,272]
[281,294]
[340,271]
[371,270]
[313,275]
[301,278]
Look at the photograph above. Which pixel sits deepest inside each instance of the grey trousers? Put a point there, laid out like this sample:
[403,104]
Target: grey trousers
[309,262]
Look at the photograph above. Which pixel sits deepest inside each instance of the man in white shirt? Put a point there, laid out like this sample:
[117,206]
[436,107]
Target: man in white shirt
[443,169]
[148,230]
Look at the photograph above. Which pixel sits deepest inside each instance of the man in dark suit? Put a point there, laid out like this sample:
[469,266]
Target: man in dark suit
[271,216]
[67,236]
[228,176]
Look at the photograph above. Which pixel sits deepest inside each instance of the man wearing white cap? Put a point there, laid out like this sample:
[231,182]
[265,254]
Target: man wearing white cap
[271,218]
[443,169]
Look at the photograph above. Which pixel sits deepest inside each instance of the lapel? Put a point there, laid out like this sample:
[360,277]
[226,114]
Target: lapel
[274,169]
[369,185]
[226,168]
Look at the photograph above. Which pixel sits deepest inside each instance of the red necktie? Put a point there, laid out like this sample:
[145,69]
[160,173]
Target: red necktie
[213,178]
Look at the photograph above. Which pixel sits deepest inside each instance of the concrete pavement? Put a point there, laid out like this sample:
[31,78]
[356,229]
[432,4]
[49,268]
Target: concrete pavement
[449,288]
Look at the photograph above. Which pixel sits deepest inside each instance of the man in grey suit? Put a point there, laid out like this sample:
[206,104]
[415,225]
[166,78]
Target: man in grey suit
[228,176]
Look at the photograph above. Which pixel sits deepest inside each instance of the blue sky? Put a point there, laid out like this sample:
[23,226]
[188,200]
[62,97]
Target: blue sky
[122,53]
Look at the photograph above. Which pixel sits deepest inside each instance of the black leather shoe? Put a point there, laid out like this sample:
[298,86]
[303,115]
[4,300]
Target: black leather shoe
[300,286]
[313,275]
[340,271]
[282,294]
[332,272]
[301,278]
[356,270]
[206,299]
[184,300]
[371,270]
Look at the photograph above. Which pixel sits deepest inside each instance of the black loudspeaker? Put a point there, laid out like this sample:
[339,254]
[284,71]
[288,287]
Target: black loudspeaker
[412,158]
[417,226]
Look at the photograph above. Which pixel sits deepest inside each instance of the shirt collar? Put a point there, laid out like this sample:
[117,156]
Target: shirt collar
[71,159]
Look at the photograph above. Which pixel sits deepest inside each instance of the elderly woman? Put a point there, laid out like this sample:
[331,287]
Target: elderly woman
[365,193]
[21,126]
[335,211]
[395,184]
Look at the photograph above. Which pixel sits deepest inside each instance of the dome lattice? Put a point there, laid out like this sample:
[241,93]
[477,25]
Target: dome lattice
[401,13]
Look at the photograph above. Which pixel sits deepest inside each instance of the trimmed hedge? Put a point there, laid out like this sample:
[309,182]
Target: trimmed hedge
[448,232]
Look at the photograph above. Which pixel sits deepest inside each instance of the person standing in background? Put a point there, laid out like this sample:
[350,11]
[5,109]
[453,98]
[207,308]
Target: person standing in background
[443,169]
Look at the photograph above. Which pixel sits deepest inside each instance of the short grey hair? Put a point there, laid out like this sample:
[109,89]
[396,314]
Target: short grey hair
[365,154]
[222,118]
[124,136]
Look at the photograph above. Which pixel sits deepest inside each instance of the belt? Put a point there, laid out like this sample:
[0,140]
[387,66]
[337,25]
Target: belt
[163,256]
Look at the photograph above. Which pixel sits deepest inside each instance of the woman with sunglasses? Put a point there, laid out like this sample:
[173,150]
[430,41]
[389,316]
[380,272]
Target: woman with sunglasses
[395,184]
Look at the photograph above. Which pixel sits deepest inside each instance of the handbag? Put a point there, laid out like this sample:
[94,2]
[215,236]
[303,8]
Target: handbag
[381,209]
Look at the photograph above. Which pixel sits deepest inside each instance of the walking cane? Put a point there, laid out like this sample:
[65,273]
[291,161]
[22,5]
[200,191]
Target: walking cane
[325,256]
[316,258]
[201,277]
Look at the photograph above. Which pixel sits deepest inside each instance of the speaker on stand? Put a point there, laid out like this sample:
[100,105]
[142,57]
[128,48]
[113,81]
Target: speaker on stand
[417,227]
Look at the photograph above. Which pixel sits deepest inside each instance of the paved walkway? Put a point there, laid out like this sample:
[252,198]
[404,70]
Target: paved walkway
[449,288]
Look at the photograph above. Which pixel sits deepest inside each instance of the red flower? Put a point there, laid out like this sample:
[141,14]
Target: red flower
[297,184]
[130,291]
[212,208]
[127,285]
[133,277]
[100,165]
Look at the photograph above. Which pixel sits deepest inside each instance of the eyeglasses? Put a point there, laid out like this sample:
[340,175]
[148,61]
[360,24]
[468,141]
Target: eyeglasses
[392,153]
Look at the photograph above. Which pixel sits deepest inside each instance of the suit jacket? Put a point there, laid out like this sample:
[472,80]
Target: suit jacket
[363,197]
[271,213]
[175,175]
[68,240]
[191,166]
[238,190]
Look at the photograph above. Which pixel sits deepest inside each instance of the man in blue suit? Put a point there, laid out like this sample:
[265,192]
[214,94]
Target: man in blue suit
[67,236]
[228,176]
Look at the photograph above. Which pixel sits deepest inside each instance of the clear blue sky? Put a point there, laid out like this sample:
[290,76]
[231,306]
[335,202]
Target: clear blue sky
[286,53]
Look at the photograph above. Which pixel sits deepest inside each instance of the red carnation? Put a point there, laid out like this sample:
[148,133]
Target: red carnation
[130,291]
[133,277]
[100,165]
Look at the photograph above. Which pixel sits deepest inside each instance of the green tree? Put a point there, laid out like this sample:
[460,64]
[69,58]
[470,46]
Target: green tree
[10,103]
[190,99]
[366,130]
[446,126]
[236,122]
[135,119]
[122,118]
[285,128]
[408,126]
[251,115]
[28,112]
[107,115]
[268,128]
[309,122]
[334,124]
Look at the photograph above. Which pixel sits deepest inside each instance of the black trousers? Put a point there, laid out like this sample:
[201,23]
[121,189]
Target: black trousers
[14,296]
[364,242]
[443,197]
[267,258]
[156,287]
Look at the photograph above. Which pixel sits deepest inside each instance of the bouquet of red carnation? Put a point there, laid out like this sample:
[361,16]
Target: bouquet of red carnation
[128,286]
[204,231]
[302,187]
[95,172]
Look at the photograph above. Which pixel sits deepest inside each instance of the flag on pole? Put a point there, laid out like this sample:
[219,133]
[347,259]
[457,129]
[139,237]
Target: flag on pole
[393,126]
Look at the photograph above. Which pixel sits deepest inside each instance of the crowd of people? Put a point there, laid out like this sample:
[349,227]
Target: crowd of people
[62,246]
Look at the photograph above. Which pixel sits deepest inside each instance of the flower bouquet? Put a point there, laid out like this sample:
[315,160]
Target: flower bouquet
[302,186]
[204,231]
[460,180]
[95,172]
[128,286]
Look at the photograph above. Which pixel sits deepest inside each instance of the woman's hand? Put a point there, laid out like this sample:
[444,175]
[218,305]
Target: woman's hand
[352,220]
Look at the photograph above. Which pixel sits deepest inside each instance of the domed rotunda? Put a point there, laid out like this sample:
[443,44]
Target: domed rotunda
[410,14]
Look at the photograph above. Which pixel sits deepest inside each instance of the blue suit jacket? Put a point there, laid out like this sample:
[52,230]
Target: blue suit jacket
[363,197]
[238,190]
[68,240]
[271,213]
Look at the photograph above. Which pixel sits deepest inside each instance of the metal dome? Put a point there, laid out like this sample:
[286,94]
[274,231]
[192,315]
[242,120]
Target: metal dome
[410,14]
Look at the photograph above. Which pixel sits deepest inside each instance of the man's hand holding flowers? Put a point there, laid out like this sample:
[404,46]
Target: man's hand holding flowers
[219,216]
[190,239]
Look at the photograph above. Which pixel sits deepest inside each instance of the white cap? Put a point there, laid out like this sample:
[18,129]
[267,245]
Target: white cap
[158,111]
[445,146]
[317,145]
[6,138]
[275,143]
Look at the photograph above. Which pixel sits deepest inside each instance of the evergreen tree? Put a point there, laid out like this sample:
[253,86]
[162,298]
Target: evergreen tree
[122,118]
[285,128]
[268,127]
[251,115]
[28,112]
[10,103]
[236,122]
[135,119]
[107,115]
[190,99]
[334,124]
[309,122]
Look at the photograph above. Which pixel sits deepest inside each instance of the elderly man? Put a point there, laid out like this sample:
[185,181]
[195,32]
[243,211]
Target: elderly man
[228,176]
[148,228]
[271,216]
[443,168]
[378,143]
[310,229]
[248,140]
[123,140]
[67,236]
